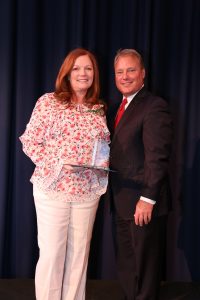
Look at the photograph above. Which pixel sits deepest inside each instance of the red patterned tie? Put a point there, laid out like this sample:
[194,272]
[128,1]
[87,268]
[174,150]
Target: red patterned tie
[120,112]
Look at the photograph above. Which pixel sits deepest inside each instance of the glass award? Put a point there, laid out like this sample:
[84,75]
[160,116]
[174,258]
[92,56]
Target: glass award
[99,158]
[100,155]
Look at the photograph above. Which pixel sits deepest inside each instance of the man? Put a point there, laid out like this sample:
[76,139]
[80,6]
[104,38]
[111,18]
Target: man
[140,151]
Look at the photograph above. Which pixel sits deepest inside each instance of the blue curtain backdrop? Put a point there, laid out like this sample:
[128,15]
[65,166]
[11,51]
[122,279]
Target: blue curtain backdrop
[35,37]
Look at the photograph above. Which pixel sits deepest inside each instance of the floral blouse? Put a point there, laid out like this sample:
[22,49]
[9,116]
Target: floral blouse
[59,135]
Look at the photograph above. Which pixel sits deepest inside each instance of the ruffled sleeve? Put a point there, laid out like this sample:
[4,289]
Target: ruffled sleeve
[33,139]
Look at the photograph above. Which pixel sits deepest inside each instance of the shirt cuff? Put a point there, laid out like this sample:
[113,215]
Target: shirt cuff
[147,200]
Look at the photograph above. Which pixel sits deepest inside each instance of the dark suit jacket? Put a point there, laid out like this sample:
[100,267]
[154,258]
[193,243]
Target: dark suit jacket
[140,151]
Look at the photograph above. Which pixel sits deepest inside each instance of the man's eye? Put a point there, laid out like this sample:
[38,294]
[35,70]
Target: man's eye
[131,70]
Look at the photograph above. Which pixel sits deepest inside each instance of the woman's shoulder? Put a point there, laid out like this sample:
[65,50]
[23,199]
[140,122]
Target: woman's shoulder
[48,101]
[47,98]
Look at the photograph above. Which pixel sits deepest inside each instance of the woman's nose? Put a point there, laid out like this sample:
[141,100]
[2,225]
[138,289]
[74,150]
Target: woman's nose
[82,71]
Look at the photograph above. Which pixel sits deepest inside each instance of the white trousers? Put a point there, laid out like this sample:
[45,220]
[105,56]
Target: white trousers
[64,235]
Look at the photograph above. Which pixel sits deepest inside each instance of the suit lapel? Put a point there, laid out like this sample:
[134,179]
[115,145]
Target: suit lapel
[129,111]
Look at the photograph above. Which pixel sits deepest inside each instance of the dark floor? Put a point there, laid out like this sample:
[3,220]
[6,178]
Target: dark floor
[23,289]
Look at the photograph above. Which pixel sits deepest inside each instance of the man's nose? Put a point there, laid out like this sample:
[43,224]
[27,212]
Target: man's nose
[124,74]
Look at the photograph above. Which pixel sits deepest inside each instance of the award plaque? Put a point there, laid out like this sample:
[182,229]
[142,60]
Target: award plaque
[99,158]
[100,155]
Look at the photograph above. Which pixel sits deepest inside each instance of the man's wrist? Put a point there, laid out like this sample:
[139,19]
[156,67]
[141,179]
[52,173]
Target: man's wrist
[148,200]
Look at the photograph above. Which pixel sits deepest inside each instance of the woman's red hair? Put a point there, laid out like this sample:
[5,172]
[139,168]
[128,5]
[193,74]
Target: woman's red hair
[63,90]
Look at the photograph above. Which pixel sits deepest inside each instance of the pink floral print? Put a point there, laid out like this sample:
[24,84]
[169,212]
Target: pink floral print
[58,135]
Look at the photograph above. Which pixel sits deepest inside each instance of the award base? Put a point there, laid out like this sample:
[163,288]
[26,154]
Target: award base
[92,167]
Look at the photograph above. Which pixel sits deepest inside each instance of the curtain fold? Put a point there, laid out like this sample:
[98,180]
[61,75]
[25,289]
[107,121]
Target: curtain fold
[35,36]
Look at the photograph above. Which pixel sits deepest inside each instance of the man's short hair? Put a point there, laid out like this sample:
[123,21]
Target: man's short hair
[129,52]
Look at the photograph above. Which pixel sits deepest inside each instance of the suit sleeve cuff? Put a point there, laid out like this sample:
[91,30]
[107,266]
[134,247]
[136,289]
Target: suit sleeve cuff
[147,200]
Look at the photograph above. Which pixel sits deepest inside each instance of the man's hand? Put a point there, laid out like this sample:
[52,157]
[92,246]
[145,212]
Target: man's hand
[143,213]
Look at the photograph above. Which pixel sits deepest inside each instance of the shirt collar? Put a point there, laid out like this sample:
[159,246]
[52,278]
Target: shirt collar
[130,98]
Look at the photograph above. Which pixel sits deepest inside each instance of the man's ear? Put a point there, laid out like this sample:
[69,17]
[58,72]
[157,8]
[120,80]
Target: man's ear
[144,73]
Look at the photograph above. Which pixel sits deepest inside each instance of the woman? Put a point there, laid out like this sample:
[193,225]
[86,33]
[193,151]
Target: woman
[67,139]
